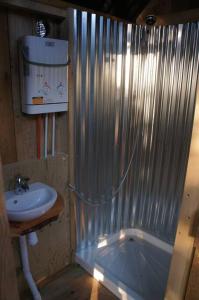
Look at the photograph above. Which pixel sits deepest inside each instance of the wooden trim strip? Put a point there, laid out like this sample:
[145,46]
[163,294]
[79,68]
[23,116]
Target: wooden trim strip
[8,280]
[34,6]
[184,242]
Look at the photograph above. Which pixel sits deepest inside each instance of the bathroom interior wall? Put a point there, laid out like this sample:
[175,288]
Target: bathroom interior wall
[16,143]
[53,252]
[134,105]
[18,131]
[18,146]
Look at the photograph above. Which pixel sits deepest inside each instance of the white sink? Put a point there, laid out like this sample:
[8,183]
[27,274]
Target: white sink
[31,204]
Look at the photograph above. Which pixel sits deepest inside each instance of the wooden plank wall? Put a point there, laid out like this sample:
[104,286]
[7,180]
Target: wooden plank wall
[53,252]
[18,148]
[18,131]
[7,128]
[8,282]
[184,242]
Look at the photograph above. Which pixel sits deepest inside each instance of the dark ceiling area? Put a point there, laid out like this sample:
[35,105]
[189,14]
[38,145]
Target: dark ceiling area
[125,9]
[129,10]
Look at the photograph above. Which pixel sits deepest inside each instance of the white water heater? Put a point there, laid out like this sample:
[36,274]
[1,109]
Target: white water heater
[44,75]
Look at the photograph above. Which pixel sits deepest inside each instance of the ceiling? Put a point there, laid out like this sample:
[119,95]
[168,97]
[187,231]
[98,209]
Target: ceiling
[125,9]
[129,10]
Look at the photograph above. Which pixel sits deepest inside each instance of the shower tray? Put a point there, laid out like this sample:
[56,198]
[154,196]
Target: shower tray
[132,264]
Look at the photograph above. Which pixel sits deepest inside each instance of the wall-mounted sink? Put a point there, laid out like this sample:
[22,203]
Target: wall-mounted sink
[31,204]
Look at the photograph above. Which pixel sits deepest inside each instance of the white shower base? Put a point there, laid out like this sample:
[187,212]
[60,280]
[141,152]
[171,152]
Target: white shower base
[132,264]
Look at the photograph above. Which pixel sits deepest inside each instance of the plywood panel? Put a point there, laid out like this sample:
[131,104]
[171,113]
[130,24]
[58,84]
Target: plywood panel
[25,128]
[62,136]
[25,125]
[53,251]
[7,128]
[8,281]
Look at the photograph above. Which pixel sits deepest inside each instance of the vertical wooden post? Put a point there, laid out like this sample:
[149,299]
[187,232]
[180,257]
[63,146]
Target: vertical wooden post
[193,282]
[71,137]
[8,280]
[184,242]
[66,30]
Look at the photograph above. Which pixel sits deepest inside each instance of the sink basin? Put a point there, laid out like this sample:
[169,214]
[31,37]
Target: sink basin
[31,204]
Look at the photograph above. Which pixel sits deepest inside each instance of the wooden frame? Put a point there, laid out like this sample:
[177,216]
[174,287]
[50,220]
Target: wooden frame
[169,12]
[71,143]
[35,7]
[8,280]
[184,242]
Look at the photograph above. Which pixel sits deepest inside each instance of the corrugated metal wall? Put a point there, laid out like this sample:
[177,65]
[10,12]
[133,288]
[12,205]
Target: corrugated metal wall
[134,103]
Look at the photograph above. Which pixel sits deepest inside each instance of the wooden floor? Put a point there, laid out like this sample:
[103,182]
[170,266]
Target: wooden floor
[75,284]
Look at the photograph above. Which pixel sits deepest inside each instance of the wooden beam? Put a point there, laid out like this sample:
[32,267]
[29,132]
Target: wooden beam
[71,136]
[7,128]
[184,242]
[181,17]
[35,7]
[8,280]
[167,13]
[193,282]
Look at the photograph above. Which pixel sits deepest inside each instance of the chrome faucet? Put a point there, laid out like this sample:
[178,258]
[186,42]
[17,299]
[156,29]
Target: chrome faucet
[21,184]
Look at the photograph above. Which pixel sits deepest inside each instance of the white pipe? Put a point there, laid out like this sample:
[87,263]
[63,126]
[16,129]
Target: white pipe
[26,268]
[32,238]
[46,137]
[53,134]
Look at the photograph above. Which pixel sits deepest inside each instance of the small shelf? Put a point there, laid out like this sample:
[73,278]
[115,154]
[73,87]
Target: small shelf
[21,228]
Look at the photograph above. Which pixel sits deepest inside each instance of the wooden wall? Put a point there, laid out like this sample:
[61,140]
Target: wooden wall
[17,130]
[18,147]
[7,128]
[52,253]
[8,282]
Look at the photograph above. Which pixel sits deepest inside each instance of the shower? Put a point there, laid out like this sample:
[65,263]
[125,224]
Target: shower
[134,99]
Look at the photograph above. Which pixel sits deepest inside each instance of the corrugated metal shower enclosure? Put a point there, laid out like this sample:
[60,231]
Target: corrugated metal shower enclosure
[135,91]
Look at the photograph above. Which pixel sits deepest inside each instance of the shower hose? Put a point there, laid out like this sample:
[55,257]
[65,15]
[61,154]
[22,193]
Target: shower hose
[123,178]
